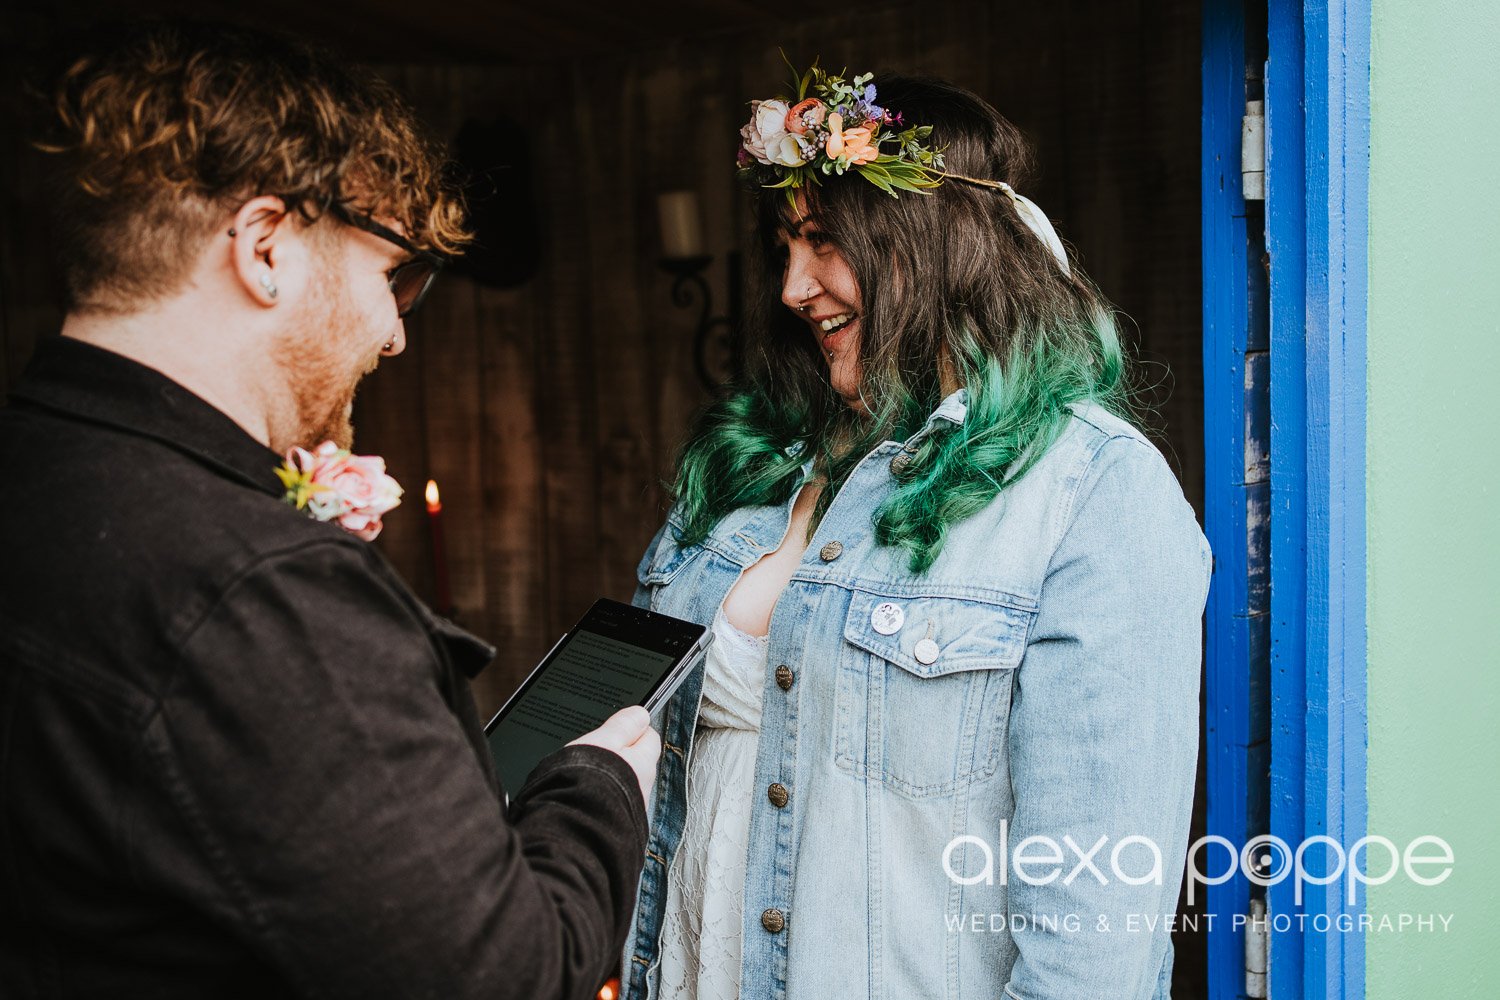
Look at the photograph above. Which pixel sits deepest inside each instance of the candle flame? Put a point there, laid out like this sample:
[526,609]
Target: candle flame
[609,990]
[434,501]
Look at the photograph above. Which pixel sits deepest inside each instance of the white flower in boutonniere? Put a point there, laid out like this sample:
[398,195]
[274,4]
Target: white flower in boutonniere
[331,484]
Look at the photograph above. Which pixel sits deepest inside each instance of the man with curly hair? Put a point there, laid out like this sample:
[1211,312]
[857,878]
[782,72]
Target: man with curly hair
[237,756]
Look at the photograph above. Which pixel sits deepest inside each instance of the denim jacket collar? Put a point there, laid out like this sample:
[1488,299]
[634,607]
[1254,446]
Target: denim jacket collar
[953,409]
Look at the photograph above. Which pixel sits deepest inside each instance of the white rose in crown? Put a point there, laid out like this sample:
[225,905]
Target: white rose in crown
[786,151]
[766,136]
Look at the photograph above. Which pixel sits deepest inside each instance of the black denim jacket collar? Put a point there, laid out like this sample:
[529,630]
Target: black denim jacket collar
[89,383]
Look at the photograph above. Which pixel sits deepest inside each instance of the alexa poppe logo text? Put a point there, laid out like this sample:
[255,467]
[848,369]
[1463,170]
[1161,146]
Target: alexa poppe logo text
[1212,860]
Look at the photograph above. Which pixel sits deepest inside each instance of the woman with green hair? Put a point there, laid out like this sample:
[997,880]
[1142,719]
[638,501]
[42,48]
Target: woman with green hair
[945,740]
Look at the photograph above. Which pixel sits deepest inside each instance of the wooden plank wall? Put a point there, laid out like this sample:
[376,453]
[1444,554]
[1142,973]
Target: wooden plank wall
[549,413]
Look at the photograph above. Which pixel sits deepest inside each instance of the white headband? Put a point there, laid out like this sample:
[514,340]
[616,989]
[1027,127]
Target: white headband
[1036,220]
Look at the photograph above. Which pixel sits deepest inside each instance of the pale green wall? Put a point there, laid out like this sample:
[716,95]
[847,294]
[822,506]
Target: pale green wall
[1434,484]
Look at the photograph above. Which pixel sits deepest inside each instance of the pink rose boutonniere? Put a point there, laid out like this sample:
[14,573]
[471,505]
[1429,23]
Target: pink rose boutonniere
[331,484]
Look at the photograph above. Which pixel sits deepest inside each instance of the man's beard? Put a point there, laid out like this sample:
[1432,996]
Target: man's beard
[317,359]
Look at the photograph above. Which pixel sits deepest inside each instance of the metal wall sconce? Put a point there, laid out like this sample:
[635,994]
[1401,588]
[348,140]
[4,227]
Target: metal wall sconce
[716,338]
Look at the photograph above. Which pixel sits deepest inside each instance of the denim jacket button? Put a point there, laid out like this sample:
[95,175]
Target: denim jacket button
[784,677]
[887,618]
[831,551]
[926,652]
[773,920]
[900,464]
[778,795]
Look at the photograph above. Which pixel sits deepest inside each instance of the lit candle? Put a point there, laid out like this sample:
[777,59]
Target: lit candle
[439,551]
[681,225]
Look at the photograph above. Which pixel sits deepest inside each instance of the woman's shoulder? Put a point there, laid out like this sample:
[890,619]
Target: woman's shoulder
[1122,482]
[1099,467]
[1093,424]
[1095,442]
[1090,440]
[1102,448]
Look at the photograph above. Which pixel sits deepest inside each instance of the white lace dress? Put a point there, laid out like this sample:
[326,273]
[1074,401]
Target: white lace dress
[700,946]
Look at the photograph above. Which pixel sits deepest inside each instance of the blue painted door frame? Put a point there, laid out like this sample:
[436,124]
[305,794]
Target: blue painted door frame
[1236,496]
[1303,698]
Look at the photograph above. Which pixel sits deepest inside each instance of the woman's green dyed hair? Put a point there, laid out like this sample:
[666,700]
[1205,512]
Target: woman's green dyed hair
[992,308]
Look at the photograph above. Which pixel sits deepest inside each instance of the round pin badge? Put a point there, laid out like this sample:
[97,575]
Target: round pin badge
[926,652]
[887,618]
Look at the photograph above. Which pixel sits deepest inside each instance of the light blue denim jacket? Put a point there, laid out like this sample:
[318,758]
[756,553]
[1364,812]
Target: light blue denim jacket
[1039,681]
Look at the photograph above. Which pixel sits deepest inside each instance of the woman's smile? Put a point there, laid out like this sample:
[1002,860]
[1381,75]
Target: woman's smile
[835,331]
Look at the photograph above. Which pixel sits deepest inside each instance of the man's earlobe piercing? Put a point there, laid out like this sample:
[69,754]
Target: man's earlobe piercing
[267,283]
[389,345]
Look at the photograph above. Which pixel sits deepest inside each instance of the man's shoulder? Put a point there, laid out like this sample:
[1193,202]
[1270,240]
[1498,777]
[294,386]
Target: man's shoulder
[118,544]
[69,475]
[63,472]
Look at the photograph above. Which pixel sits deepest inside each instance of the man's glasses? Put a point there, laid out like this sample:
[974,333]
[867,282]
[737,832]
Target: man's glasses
[410,280]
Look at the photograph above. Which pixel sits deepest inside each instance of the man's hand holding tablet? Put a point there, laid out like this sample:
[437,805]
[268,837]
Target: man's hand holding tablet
[628,733]
[591,689]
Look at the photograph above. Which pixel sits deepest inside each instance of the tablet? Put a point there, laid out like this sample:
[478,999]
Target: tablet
[617,655]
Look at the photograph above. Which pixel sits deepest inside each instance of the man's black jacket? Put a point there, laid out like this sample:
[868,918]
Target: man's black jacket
[237,756]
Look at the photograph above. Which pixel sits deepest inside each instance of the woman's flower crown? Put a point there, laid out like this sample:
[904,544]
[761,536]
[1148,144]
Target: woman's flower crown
[837,128]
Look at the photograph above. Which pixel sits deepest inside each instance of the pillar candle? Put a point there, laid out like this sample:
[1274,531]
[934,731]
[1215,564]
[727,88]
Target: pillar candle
[681,224]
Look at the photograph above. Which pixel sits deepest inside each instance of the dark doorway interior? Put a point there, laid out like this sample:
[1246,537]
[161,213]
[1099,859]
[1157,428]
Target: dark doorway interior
[548,404]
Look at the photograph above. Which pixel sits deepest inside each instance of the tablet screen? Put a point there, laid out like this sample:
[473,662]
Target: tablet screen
[618,655]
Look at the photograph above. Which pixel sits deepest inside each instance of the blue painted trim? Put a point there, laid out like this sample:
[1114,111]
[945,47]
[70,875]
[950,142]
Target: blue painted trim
[1226,320]
[1318,175]
[1286,243]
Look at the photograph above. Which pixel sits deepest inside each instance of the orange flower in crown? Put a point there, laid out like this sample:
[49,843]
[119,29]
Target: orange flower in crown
[854,146]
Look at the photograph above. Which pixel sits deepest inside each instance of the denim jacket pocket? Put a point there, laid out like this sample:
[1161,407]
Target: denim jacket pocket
[923,690]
